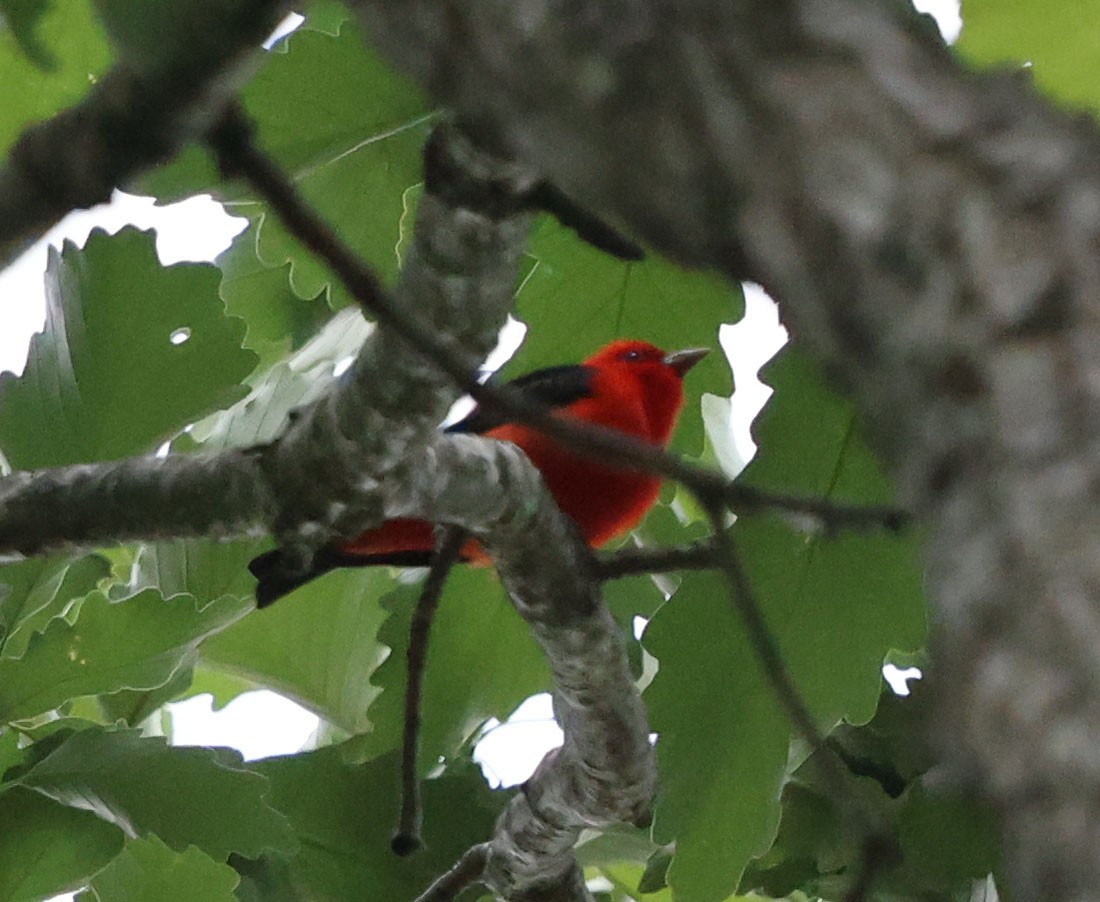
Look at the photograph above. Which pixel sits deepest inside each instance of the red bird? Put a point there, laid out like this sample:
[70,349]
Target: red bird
[627,385]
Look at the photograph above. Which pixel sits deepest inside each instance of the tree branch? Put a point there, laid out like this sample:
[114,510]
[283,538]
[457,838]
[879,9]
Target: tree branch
[142,498]
[632,561]
[407,838]
[605,771]
[931,235]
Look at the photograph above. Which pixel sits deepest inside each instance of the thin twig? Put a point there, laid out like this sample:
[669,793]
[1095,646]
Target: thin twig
[630,561]
[407,838]
[831,516]
[588,227]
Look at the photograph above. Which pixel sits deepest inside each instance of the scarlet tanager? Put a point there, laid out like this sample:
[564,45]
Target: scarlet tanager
[627,385]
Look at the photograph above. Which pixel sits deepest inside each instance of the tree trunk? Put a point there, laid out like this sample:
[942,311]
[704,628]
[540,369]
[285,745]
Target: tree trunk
[931,235]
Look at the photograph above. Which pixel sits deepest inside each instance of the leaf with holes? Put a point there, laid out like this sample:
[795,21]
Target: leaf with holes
[132,352]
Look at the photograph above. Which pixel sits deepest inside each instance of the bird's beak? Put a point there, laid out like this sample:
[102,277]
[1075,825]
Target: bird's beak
[682,361]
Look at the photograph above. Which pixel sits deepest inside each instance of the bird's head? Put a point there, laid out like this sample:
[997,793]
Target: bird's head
[658,375]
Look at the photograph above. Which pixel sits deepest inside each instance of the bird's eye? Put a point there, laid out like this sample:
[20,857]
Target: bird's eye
[632,355]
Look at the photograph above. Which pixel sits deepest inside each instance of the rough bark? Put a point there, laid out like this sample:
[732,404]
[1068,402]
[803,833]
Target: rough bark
[932,237]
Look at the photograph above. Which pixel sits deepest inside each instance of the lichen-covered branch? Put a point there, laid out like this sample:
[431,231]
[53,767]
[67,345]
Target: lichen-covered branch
[931,235]
[605,771]
[142,498]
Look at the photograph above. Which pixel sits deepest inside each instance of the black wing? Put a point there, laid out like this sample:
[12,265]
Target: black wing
[272,582]
[555,386]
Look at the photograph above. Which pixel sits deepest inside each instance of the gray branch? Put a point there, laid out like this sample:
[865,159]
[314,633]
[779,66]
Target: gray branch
[605,771]
[932,237]
[143,498]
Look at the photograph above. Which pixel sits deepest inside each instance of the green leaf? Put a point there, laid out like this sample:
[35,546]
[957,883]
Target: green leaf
[158,36]
[34,591]
[318,646]
[51,53]
[220,686]
[814,845]
[88,658]
[482,662]
[345,815]
[327,16]
[47,848]
[722,751]
[148,869]
[105,379]
[278,320]
[203,568]
[45,736]
[858,596]
[948,839]
[838,606]
[23,18]
[348,129]
[893,747]
[809,441]
[133,706]
[577,299]
[834,607]
[615,845]
[10,753]
[1057,38]
[627,877]
[302,378]
[187,796]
